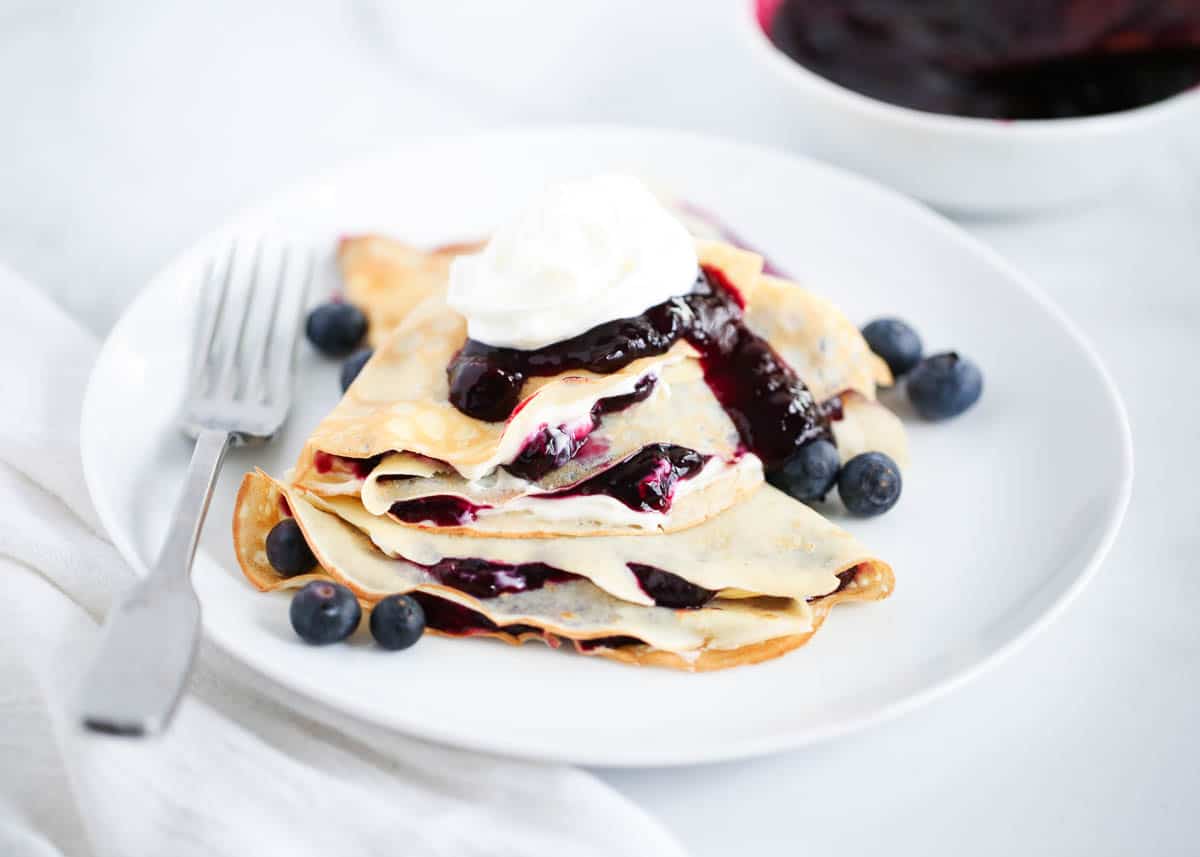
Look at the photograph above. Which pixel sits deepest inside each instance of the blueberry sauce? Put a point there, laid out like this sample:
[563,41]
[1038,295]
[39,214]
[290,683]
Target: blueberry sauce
[553,446]
[442,510]
[614,642]
[670,590]
[832,409]
[550,448]
[844,580]
[773,411]
[645,481]
[485,579]
[453,618]
[1000,59]
[610,405]
[325,462]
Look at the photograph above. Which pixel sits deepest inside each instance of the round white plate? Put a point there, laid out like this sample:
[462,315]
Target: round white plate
[1006,510]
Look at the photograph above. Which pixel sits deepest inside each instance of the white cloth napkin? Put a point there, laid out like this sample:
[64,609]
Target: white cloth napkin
[245,769]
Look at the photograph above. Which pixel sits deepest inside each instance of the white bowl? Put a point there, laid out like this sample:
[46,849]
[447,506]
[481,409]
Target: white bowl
[967,164]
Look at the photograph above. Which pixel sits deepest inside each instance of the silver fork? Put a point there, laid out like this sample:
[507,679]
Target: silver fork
[238,392]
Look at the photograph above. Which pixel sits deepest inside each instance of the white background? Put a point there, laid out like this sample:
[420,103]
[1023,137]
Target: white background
[131,128]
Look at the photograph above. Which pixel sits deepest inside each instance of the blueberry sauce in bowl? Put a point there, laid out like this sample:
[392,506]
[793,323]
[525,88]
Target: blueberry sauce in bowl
[998,59]
[772,408]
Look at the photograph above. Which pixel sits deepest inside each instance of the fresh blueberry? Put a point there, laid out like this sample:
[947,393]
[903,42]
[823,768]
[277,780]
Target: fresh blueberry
[397,622]
[336,328]
[287,551]
[324,612]
[894,341]
[353,366]
[809,473]
[944,385]
[869,484]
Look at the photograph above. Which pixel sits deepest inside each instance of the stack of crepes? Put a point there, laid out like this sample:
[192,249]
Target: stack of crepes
[658,542]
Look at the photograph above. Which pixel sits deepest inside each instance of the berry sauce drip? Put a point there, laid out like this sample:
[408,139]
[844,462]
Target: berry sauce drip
[999,59]
[325,462]
[453,618]
[554,446]
[844,580]
[645,481]
[484,579]
[670,590]
[773,411]
[442,510]
[614,642]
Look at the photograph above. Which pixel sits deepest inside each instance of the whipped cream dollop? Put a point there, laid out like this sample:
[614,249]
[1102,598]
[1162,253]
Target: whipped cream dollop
[585,252]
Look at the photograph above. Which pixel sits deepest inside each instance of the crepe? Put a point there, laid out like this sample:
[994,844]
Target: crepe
[399,404]
[386,279]
[397,491]
[744,628]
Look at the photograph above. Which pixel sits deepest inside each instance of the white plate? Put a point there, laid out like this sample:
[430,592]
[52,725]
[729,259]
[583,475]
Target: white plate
[1006,511]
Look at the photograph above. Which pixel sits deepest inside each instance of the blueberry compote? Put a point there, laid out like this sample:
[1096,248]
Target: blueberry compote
[670,590]
[325,462]
[441,510]
[773,411]
[1002,59]
[554,446]
[645,481]
[485,579]
[614,642]
[453,618]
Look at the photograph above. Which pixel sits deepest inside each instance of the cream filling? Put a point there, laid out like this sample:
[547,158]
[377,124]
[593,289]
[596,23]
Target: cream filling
[554,405]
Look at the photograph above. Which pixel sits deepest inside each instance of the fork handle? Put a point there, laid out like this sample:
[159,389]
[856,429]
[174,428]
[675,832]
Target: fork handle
[149,641]
[175,558]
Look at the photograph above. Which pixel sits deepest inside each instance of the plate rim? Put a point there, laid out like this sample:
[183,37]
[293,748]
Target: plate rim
[741,747]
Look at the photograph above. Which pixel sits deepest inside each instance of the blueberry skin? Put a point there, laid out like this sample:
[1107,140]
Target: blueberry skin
[809,473]
[353,366]
[324,612]
[287,551]
[336,328]
[944,385]
[896,342]
[869,484]
[397,622]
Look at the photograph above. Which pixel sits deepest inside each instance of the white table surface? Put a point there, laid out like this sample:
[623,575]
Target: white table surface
[131,129]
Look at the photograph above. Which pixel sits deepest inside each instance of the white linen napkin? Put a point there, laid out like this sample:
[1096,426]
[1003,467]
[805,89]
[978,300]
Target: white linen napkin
[246,768]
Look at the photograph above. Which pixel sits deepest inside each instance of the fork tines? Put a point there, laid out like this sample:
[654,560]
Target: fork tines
[248,315]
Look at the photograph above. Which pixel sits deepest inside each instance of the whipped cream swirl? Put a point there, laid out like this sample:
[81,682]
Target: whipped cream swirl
[584,253]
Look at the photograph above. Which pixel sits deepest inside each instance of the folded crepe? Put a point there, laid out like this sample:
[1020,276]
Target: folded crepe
[775,569]
[395,438]
[654,541]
